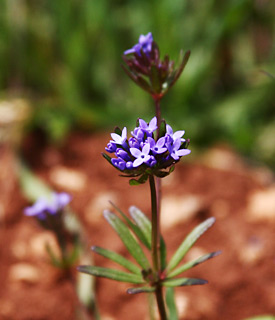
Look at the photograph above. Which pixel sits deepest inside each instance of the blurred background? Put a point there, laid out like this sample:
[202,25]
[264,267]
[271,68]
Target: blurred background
[63,59]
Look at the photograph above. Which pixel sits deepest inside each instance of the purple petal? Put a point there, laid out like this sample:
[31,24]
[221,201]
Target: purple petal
[135,152]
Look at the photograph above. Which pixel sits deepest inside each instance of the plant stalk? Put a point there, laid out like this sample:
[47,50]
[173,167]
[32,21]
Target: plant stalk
[156,248]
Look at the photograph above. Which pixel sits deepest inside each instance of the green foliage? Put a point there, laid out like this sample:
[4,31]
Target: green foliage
[66,55]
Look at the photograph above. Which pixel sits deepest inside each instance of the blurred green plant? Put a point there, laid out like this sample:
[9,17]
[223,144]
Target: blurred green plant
[64,56]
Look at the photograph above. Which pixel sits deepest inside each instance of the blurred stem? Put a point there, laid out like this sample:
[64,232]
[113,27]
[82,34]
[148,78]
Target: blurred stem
[156,248]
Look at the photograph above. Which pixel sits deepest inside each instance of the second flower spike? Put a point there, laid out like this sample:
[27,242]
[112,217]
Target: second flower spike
[145,68]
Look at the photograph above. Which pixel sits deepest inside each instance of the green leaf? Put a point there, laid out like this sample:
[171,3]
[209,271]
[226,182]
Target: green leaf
[180,282]
[134,227]
[55,260]
[192,264]
[127,238]
[33,187]
[141,180]
[117,258]
[188,243]
[142,222]
[171,305]
[111,274]
[140,290]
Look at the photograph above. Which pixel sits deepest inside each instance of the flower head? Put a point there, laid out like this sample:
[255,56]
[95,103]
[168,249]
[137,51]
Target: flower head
[42,207]
[144,44]
[142,153]
[145,67]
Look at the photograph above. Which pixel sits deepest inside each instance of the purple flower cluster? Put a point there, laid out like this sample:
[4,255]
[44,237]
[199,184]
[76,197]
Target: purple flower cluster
[42,207]
[142,151]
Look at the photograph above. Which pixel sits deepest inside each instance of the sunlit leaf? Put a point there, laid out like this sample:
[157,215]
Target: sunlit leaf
[188,243]
[180,282]
[142,222]
[192,264]
[117,258]
[111,274]
[133,227]
[140,290]
[127,238]
[171,304]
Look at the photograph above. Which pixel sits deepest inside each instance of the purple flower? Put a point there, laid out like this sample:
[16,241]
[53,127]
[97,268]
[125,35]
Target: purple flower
[120,153]
[119,163]
[175,151]
[111,147]
[157,147]
[141,156]
[42,206]
[174,136]
[133,143]
[151,162]
[148,128]
[138,134]
[117,139]
[144,44]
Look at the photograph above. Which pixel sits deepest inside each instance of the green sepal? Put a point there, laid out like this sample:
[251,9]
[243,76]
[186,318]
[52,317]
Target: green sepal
[134,227]
[184,59]
[155,79]
[118,131]
[117,258]
[111,274]
[108,158]
[192,264]
[138,80]
[142,222]
[140,290]
[127,238]
[180,282]
[188,243]
[171,304]
[141,180]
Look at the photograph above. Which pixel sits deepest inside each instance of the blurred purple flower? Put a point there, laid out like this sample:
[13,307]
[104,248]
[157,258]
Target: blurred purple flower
[42,206]
[144,44]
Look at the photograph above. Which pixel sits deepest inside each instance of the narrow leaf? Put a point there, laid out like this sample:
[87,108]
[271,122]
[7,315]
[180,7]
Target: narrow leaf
[142,222]
[180,282]
[133,227]
[171,304]
[127,238]
[140,290]
[188,243]
[117,258]
[192,264]
[111,274]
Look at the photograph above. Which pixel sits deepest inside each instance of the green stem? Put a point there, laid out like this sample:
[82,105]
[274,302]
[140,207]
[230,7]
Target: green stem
[155,248]
[155,225]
